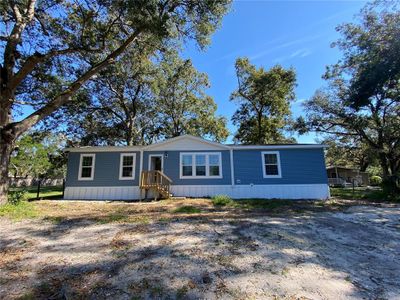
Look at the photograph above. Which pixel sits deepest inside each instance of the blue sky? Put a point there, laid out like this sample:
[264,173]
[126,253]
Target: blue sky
[291,33]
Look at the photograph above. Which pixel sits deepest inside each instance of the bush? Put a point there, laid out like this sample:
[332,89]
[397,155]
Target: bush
[221,200]
[391,187]
[376,180]
[16,197]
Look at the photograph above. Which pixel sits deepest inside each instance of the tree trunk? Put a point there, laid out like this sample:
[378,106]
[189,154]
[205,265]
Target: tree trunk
[384,165]
[6,147]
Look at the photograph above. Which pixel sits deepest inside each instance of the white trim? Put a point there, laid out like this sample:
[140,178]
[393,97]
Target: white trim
[186,136]
[104,149]
[232,167]
[278,158]
[92,167]
[276,147]
[156,155]
[207,176]
[141,163]
[121,159]
[267,191]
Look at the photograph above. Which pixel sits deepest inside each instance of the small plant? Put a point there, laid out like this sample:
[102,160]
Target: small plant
[376,180]
[221,200]
[16,197]
[187,209]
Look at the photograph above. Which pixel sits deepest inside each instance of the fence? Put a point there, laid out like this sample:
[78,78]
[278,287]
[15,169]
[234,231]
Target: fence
[26,182]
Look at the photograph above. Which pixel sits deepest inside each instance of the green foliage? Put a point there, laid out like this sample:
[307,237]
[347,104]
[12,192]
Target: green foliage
[183,106]
[362,98]
[141,99]
[16,197]
[359,194]
[35,155]
[264,102]
[375,180]
[187,209]
[221,200]
[391,187]
[19,211]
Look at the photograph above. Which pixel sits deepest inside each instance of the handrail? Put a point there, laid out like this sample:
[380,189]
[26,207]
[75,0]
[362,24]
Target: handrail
[154,176]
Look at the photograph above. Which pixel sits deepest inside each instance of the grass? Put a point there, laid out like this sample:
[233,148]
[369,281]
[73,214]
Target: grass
[187,209]
[46,192]
[22,210]
[359,193]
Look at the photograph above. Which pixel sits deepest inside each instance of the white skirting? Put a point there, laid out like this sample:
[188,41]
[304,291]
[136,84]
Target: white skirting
[102,193]
[278,191]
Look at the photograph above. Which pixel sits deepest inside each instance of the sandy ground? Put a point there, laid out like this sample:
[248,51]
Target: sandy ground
[348,254]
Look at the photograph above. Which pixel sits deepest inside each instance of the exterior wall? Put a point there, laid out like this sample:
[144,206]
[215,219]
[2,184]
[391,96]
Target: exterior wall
[303,176]
[171,168]
[106,170]
[298,166]
[279,191]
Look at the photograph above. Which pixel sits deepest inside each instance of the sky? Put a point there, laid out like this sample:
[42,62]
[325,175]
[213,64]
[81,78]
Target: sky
[294,34]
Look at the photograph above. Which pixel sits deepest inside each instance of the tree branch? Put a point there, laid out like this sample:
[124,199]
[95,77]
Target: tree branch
[64,97]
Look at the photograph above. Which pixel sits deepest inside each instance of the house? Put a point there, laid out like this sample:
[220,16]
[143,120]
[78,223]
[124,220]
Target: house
[194,167]
[343,176]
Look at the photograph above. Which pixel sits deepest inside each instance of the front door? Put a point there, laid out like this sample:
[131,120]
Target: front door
[156,163]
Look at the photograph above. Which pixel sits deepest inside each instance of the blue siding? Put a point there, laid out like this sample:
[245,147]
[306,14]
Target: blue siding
[171,168]
[106,172]
[298,166]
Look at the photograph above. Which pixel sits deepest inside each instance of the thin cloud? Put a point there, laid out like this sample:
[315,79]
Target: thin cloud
[297,54]
[286,45]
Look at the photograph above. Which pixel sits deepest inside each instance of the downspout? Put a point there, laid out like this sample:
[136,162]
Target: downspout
[232,167]
[140,172]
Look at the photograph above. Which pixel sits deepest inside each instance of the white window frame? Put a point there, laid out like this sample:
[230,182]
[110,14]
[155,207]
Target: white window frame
[80,166]
[121,160]
[207,176]
[278,158]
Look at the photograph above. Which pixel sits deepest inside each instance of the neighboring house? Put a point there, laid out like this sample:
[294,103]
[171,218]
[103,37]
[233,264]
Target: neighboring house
[193,167]
[342,176]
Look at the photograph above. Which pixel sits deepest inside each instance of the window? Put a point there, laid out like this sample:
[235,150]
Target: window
[127,166]
[86,167]
[187,165]
[271,164]
[200,165]
[213,164]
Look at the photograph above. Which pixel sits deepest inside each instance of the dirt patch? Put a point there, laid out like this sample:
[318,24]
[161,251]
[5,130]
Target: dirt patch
[311,251]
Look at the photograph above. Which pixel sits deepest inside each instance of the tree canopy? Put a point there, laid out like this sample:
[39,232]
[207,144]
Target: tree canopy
[264,102]
[51,49]
[363,93]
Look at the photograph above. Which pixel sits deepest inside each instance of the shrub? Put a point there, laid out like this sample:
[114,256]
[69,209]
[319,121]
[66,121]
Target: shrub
[16,197]
[221,200]
[376,180]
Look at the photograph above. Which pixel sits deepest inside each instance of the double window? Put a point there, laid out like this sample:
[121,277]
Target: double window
[200,165]
[127,166]
[271,164]
[86,167]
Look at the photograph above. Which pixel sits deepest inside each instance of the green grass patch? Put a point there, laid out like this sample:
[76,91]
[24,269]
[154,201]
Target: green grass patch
[22,210]
[187,209]
[46,192]
[221,200]
[359,193]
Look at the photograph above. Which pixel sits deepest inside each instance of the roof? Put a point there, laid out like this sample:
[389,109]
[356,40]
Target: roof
[187,142]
